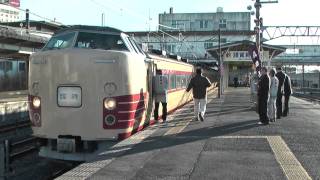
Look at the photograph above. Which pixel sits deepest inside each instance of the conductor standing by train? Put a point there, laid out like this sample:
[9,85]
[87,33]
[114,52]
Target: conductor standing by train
[161,95]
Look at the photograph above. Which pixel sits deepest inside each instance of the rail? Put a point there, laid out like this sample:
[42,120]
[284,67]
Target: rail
[306,90]
[11,151]
[14,126]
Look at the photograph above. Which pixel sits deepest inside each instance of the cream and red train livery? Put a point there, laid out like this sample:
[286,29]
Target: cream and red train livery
[93,84]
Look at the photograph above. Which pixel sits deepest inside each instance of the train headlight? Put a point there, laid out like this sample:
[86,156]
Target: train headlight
[110,120]
[110,103]
[36,102]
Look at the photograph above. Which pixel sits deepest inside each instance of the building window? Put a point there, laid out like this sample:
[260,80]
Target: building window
[170,48]
[223,23]
[208,44]
[203,24]
[180,24]
[235,54]
[223,40]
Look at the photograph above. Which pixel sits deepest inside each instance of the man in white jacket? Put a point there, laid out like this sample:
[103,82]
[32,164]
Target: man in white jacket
[272,108]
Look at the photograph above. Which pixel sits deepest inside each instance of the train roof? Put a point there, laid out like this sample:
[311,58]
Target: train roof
[89,28]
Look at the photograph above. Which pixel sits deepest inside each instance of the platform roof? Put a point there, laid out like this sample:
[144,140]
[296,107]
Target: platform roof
[244,46]
[53,26]
[13,40]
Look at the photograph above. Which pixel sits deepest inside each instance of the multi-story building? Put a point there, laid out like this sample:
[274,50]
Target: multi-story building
[226,21]
[190,34]
[9,11]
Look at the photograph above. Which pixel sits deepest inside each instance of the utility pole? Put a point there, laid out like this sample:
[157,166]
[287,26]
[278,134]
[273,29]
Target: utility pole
[102,19]
[259,23]
[257,28]
[220,65]
[27,21]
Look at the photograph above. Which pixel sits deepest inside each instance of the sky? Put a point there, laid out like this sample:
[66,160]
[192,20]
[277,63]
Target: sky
[142,15]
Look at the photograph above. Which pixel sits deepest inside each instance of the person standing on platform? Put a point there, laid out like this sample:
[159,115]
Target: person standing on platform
[235,82]
[253,87]
[161,95]
[287,92]
[263,96]
[281,76]
[272,108]
[199,85]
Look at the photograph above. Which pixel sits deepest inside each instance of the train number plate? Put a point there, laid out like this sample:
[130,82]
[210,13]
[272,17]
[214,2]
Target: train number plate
[66,145]
[69,96]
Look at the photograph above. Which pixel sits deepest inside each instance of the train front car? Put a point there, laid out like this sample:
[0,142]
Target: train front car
[81,91]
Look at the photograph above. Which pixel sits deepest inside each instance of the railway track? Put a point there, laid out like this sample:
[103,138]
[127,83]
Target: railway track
[23,147]
[66,167]
[308,97]
[14,126]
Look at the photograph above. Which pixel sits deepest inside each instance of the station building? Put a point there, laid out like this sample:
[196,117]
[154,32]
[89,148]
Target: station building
[195,36]
[9,11]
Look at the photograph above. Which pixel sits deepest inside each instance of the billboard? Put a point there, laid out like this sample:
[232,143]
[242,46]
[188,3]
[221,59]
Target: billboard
[13,3]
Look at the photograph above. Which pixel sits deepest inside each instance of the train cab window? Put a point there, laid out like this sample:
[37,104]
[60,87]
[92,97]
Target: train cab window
[100,41]
[61,41]
[137,47]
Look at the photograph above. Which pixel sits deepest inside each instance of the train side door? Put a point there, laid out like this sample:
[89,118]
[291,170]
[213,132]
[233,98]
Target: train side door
[150,74]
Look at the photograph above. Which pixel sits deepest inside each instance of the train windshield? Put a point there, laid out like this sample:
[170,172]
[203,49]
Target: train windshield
[100,41]
[61,41]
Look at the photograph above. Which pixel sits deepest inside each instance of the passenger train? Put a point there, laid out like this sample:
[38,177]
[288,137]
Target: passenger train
[90,84]
[13,75]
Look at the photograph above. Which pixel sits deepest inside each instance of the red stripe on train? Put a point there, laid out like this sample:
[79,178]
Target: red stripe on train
[122,136]
[167,71]
[129,110]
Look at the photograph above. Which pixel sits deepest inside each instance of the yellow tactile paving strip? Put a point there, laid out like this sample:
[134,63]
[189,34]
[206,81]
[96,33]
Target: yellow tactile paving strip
[288,162]
[291,167]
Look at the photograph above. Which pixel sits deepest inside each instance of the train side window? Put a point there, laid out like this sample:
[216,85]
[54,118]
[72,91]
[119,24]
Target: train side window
[183,81]
[8,66]
[172,81]
[1,66]
[22,66]
[178,81]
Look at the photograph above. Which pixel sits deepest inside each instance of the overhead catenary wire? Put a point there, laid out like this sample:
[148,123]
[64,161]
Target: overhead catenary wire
[39,16]
[133,13]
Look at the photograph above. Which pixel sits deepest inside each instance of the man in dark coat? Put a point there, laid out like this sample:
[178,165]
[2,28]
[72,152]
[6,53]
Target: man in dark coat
[263,96]
[287,92]
[281,76]
[199,85]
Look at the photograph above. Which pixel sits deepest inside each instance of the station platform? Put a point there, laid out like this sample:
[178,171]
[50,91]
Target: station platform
[229,144]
